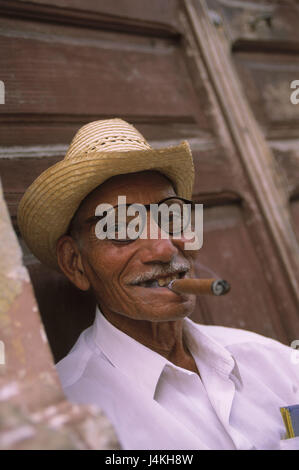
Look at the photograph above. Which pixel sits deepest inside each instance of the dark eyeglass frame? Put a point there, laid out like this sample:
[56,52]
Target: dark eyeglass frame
[94,219]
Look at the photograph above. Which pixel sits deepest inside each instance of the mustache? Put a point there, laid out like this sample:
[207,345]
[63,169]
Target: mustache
[158,271]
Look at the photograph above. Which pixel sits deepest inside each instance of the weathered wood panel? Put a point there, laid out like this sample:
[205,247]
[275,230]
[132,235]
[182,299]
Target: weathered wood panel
[266,80]
[250,304]
[141,10]
[286,153]
[59,78]
[269,25]
[73,79]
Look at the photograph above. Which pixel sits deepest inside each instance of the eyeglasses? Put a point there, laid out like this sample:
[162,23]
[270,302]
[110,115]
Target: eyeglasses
[173,215]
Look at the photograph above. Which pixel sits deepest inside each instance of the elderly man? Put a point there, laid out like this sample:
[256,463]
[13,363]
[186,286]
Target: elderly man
[164,381]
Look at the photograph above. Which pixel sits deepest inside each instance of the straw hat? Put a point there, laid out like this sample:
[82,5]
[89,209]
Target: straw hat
[99,150]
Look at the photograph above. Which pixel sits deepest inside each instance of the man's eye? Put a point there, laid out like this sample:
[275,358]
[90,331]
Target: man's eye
[176,216]
[116,228]
[172,218]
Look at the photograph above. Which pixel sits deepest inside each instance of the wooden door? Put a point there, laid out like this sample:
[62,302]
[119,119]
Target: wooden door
[165,67]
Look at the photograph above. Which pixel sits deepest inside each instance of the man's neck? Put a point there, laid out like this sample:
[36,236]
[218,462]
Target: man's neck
[164,338]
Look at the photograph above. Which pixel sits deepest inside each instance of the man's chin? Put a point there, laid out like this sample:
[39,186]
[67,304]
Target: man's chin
[166,311]
[162,294]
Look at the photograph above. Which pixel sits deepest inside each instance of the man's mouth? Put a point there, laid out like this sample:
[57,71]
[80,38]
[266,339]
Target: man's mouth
[161,281]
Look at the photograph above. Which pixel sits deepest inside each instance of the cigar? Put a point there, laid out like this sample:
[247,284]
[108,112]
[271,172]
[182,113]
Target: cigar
[200,286]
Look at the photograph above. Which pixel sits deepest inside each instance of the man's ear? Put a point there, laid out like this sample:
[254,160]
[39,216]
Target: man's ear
[70,262]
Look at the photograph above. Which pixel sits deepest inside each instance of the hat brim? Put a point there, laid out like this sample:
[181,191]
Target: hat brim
[49,204]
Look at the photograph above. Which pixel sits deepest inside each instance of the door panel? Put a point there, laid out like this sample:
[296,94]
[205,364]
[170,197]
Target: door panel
[67,63]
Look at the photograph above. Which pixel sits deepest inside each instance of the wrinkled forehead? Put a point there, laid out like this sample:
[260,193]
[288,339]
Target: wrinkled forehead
[145,187]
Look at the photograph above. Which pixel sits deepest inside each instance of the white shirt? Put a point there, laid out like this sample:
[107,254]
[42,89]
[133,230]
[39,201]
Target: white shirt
[153,404]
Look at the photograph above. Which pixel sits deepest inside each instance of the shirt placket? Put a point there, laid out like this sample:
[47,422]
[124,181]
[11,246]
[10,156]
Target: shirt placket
[221,391]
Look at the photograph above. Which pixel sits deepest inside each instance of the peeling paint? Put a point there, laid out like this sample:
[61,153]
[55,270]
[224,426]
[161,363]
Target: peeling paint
[18,349]
[47,378]
[57,421]
[277,96]
[43,414]
[10,260]
[10,437]
[19,273]
[9,390]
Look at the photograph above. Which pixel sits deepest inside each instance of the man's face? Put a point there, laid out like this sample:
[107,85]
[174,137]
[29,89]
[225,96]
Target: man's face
[112,267]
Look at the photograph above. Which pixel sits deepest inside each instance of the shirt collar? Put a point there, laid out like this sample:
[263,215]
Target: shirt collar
[128,355]
[131,357]
[208,352]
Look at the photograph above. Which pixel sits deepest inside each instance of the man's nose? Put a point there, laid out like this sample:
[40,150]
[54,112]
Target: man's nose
[161,248]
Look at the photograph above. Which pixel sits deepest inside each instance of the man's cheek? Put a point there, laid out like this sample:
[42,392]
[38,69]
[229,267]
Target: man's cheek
[191,256]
